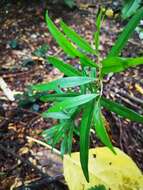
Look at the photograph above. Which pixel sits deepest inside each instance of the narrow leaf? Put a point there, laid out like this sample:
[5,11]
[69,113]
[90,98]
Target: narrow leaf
[85,61]
[55,115]
[64,145]
[48,133]
[67,69]
[67,82]
[70,137]
[99,125]
[121,110]
[84,137]
[64,43]
[118,64]
[60,38]
[130,7]
[54,134]
[78,40]
[127,32]
[97,33]
[93,72]
[72,102]
[58,136]
[57,97]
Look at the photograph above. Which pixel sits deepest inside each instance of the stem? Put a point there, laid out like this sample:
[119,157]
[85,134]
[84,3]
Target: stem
[99,21]
[100,79]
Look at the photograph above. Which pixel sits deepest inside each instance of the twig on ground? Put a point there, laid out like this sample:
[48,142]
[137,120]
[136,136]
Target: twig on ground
[127,101]
[8,93]
[131,97]
[126,98]
[43,144]
[134,42]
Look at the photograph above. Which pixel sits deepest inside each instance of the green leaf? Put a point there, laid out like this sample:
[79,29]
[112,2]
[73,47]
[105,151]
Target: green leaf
[84,137]
[70,137]
[67,69]
[72,102]
[57,97]
[55,115]
[130,7]
[62,135]
[127,32]
[98,27]
[49,133]
[99,125]
[61,39]
[65,44]
[118,64]
[85,61]
[67,82]
[54,134]
[64,145]
[78,40]
[93,72]
[58,136]
[121,110]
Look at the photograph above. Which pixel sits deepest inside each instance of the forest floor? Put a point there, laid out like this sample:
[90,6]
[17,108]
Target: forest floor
[22,31]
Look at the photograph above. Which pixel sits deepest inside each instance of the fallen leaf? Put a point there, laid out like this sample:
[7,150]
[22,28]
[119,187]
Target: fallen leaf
[115,172]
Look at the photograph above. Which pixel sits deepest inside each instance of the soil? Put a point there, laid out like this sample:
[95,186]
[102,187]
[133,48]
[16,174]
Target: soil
[22,31]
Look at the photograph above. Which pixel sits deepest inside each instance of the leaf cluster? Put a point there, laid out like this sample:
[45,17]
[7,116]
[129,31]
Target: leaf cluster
[80,93]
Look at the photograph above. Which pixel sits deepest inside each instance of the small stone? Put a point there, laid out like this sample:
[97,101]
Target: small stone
[33,36]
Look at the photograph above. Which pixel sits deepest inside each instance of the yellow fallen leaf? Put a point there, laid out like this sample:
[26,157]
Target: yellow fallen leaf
[115,172]
[139,88]
[23,150]
[109,13]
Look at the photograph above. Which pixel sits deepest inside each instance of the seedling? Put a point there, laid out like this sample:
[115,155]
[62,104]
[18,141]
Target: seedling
[80,93]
